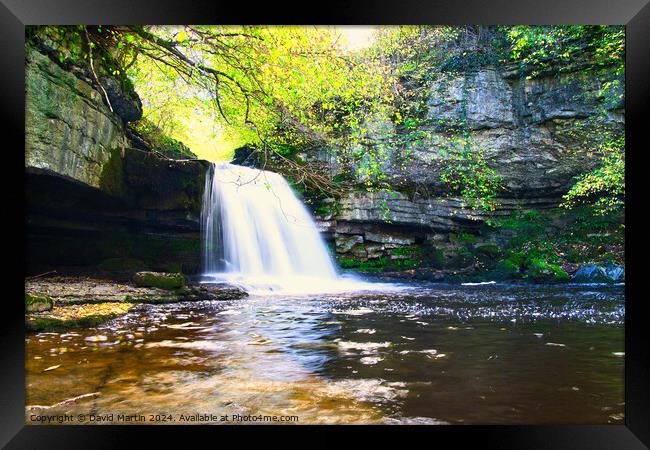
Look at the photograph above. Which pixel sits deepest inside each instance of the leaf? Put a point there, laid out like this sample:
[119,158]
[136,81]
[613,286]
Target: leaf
[52,368]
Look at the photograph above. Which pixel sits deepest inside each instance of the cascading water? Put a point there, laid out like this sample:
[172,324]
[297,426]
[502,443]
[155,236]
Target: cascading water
[257,232]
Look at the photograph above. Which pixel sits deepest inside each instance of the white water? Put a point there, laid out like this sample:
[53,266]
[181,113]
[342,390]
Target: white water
[259,235]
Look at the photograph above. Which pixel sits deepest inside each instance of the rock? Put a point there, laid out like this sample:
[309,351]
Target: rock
[590,273]
[246,156]
[615,273]
[125,103]
[37,303]
[68,128]
[217,291]
[374,251]
[359,252]
[344,242]
[485,97]
[439,214]
[160,280]
[75,316]
[386,238]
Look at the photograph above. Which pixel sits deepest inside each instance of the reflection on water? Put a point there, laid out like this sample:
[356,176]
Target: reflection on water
[433,354]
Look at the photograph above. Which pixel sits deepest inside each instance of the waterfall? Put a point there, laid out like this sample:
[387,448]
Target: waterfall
[255,229]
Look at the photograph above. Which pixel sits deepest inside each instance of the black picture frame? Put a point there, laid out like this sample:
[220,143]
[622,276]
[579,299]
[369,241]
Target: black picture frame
[635,14]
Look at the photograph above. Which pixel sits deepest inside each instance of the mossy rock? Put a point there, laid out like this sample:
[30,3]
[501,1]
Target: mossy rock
[162,280]
[38,303]
[75,316]
[507,269]
[542,271]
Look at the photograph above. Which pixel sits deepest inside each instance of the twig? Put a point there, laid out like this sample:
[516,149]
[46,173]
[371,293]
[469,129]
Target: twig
[64,402]
[40,275]
[92,68]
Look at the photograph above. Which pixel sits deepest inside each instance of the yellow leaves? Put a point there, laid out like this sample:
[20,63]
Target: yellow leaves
[181,37]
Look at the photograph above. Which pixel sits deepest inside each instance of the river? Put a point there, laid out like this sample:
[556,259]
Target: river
[427,353]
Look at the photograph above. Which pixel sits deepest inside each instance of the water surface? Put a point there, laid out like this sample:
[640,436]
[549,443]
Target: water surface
[432,353]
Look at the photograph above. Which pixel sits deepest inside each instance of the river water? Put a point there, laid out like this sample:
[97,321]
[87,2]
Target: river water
[429,353]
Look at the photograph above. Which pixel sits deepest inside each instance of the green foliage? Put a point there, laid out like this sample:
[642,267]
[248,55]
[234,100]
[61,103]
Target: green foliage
[468,173]
[539,48]
[161,142]
[540,270]
[540,242]
[605,186]
[385,263]
[295,91]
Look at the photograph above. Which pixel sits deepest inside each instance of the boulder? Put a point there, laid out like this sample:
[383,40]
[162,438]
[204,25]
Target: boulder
[615,273]
[590,273]
[162,280]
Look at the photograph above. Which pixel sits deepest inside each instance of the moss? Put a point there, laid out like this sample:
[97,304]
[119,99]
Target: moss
[75,316]
[373,265]
[112,179]
[405,251]
[540,271]
[382,264]
[35,303]
[160,280]
[162,143]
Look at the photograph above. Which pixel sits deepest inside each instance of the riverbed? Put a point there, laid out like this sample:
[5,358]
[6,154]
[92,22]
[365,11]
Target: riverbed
[423,354]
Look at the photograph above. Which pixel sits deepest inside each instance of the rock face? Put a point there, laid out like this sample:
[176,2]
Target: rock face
[443,214]
[126,105]
[526,127]
[68,129]
[534,133]
[93,199]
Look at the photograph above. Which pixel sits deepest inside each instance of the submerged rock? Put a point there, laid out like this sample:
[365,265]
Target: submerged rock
[161,280]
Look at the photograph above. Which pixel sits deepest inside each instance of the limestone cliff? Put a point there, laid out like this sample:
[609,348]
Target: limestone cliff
[535,133]
[94,196]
